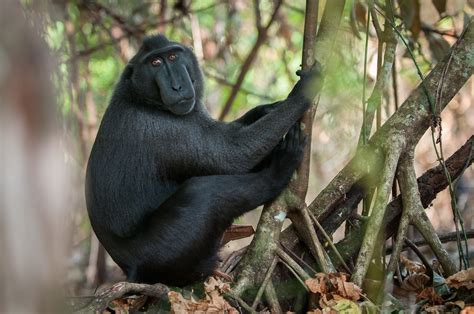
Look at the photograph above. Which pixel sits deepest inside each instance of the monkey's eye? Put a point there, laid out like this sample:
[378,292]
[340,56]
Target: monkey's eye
[172,56]
[156,62]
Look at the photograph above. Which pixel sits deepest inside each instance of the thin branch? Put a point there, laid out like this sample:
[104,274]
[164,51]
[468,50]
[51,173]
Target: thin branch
[383,75]
[406,162]
[291,263]
[444,238]
[272,298]
[374,226]
[311,239]
[320,44]
[428,29]
[223,81]
[241,302]
[299,259]
[424,226]
[331,244]
[420,255]
[261,38]
[103,298]
[264,284]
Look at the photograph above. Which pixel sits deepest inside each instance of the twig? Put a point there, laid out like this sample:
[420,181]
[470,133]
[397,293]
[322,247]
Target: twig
[261,250]
[295,274]
[261,37]
[415,213]
[272,298]
[420,255]
[405,164]
[444,238]
[383,74]
[118,290]
[374,226]
[291,263]
[267,279]
[312,241]
[241,302]
[428,29]
[232,260]
[321,43]
[299,259]
[331,244]
[223,81]
[424,226]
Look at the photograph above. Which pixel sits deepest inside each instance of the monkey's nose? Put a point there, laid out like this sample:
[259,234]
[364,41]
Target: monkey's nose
[176,88]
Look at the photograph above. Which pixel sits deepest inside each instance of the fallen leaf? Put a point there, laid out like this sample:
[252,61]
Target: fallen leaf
[468,310]
[236,232]
[415,282]
[464,278]
[413,266]
[317,284]
[437,309]
[331,289]
[212,303]
[430,295]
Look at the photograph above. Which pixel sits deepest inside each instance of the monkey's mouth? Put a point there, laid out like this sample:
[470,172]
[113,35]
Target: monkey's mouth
[183,107]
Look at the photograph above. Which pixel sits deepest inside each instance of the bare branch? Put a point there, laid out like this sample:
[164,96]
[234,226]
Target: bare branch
[261,38]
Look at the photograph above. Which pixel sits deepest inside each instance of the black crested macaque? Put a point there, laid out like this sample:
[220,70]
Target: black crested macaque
[165,180]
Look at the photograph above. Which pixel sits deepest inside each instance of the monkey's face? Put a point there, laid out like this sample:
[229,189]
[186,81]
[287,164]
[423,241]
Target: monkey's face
[168,76]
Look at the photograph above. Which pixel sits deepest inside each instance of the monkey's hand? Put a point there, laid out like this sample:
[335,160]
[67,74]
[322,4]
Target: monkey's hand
[310,83]
[287,155]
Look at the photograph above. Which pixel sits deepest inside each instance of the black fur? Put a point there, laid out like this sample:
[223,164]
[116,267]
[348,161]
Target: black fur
[165,180]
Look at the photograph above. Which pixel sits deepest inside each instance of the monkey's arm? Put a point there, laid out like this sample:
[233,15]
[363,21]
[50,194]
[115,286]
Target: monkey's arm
[254,141]
[256,113]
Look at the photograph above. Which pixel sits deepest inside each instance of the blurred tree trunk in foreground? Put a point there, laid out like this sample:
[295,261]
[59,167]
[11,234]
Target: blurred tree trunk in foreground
[33,215]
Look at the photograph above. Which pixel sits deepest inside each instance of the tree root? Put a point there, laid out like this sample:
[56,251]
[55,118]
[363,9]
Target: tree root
[102,299]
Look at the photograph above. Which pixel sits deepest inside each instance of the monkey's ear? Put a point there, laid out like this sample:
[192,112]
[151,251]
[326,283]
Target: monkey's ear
[127,72]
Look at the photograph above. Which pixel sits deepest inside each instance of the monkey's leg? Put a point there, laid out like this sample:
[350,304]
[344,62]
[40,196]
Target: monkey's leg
[179,241]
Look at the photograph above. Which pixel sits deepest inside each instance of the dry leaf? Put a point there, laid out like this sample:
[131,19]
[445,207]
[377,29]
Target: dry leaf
[130,303]
[212,303]
[468,310]
[324,302]
[317,284]
[412,266]
[460,304]
[214,283]
[437,309]
[464,278]
[430,295]
[178,303]
[415,282]
[236,232]
[332,289]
